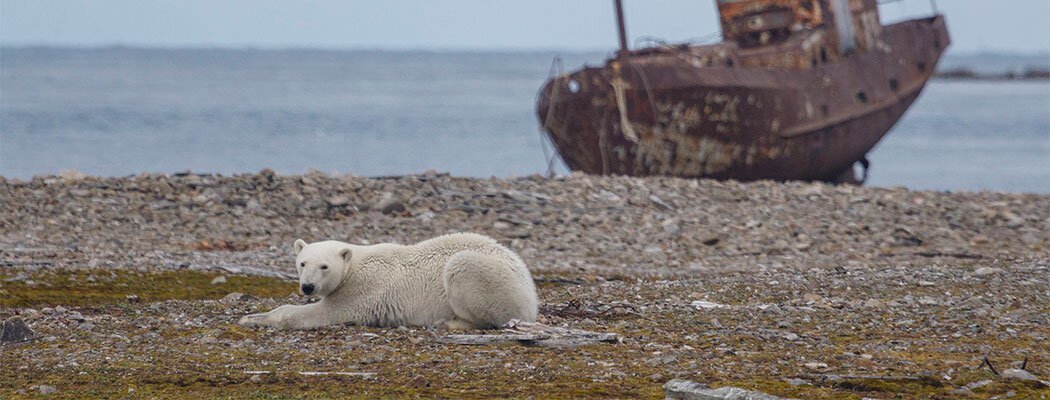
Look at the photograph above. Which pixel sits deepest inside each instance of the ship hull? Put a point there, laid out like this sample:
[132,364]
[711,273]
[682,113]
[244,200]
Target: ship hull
[673,114]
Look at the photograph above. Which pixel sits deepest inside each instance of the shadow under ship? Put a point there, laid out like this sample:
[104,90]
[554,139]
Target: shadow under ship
[797,90]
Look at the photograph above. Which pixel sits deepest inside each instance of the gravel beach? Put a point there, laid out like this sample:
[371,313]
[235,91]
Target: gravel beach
[800,290]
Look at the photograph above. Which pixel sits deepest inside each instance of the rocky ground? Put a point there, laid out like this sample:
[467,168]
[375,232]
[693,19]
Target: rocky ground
[795,289]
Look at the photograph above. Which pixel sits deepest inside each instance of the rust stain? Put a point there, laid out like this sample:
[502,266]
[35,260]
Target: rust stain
[777,100]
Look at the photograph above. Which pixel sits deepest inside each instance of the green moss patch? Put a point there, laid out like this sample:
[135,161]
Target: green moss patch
[106,287]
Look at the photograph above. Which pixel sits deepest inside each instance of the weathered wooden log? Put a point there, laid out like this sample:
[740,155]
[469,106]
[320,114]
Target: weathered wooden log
[533,334]
[681,389]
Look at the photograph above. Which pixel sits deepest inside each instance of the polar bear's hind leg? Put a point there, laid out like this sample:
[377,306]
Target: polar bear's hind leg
[486,291]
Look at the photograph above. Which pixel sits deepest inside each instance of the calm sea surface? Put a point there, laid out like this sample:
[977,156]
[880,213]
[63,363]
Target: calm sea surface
[120,111]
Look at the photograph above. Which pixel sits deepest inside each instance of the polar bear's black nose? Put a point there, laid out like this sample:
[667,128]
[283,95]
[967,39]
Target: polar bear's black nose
[308,288]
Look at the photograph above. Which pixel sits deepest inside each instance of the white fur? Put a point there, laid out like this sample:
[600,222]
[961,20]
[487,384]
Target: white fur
[459,281]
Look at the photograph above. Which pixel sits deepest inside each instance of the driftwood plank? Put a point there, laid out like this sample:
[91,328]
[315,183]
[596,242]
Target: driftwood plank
[533,334]
[680,389]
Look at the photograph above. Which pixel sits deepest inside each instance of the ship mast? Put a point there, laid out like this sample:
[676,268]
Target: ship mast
[620,25]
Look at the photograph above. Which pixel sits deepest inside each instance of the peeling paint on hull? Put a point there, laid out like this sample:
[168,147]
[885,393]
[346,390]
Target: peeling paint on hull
[723,112]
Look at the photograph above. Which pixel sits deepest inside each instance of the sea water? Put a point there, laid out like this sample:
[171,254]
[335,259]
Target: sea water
[122,111]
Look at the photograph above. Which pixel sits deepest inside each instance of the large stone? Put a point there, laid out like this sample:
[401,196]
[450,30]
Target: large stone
[338,201]
[15,330]
[237,297]
[392,207]
[1024,376]
[681,389]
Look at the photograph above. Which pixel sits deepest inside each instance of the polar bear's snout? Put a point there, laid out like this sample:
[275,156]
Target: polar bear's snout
[321,268]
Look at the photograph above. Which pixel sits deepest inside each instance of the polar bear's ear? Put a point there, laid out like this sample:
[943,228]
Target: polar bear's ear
[299,244]
[346,254]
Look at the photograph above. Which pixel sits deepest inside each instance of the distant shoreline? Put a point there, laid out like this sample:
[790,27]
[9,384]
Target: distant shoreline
[1030,74]
[965,66]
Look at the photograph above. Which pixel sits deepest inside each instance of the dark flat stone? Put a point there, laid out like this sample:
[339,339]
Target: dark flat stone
[15,330]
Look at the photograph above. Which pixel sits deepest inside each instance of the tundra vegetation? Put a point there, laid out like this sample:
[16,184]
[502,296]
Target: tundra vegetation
[132,287]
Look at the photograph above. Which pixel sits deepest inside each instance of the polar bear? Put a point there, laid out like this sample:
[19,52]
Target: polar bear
[456,281]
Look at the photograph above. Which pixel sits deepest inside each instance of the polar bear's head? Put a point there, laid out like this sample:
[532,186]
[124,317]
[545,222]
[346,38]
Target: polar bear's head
[321,265]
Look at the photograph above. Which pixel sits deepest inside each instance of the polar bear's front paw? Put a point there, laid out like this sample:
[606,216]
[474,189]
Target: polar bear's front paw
[262,319]
[456,324]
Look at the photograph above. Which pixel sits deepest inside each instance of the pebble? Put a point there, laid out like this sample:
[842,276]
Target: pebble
[418,382]
[21,276]
[980,240]
[1014,221]
[75,316]
[218,279]
[338,201]
[660,203]
[962,391]
[985,271]
[978,384]
[47,389]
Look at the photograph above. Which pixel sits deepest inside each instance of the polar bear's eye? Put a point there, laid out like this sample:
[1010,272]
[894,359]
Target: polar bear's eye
[303,264]
[324,267]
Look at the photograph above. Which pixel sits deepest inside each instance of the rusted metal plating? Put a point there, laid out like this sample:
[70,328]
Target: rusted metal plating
[779,99]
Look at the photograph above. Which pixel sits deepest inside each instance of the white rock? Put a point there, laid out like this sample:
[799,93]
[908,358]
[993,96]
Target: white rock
[984,271]
[962,391]
[706,305]
[978,384]
[236,297]
[816,366]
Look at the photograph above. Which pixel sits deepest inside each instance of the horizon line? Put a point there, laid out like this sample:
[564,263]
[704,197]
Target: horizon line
[400,49]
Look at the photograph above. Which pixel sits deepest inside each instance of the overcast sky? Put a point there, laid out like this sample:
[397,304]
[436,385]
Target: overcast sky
[976,25]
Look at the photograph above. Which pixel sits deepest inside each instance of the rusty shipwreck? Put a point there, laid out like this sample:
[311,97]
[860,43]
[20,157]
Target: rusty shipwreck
[797,90]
